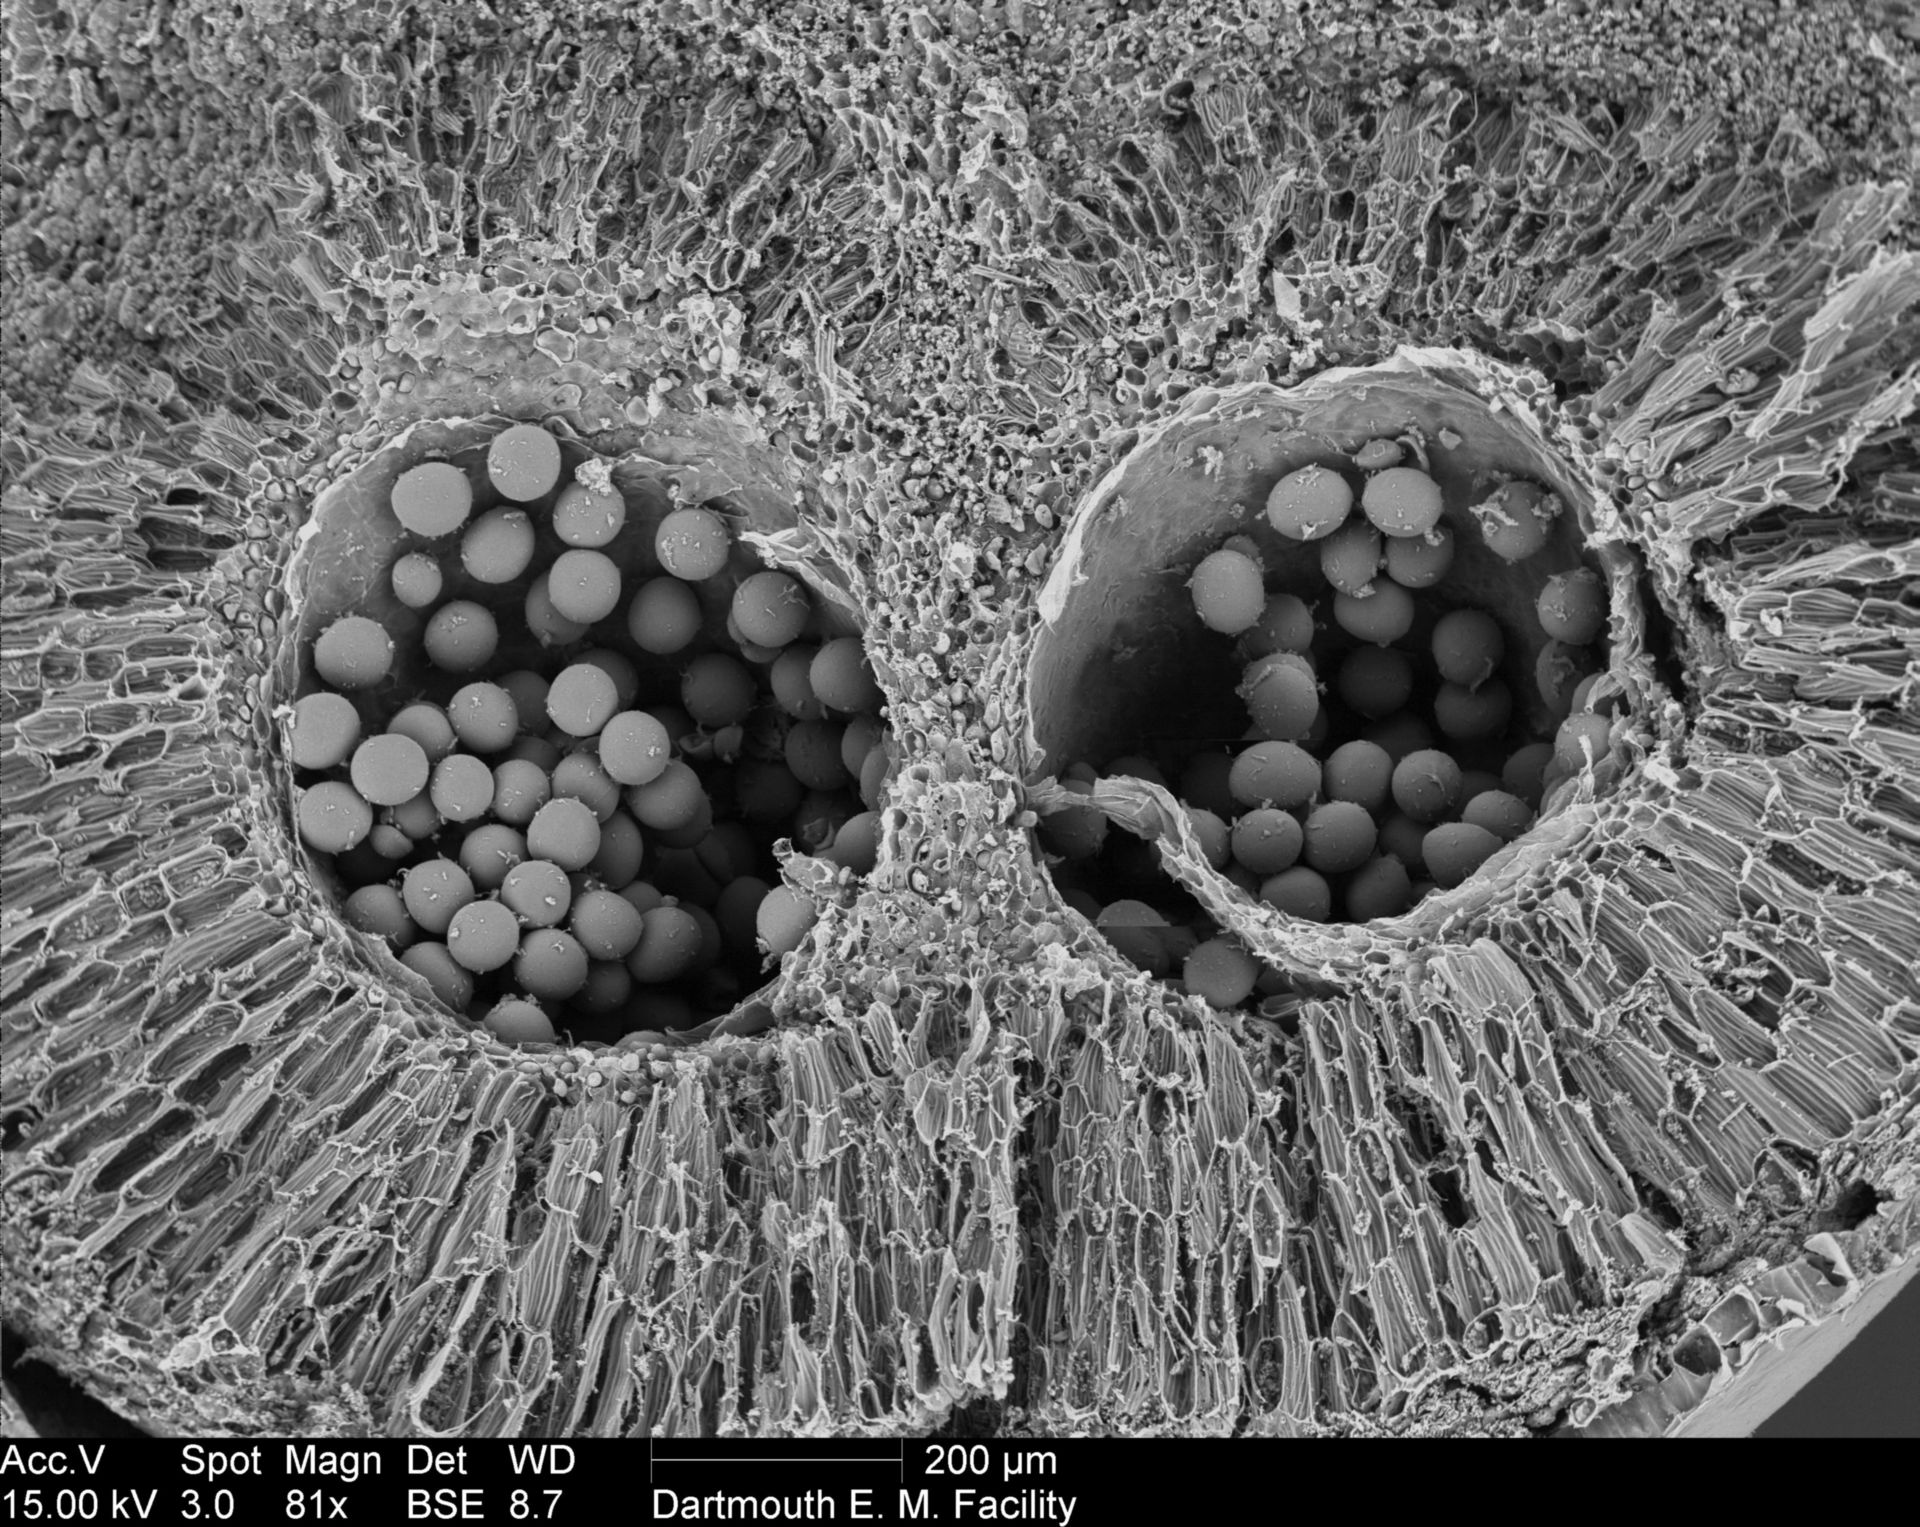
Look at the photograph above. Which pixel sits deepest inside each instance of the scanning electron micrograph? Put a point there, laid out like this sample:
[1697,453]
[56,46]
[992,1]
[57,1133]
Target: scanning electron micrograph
[955,719]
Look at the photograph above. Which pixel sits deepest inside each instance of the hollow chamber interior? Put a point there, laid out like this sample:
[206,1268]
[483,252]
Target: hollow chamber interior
[1133,676]
[752,755]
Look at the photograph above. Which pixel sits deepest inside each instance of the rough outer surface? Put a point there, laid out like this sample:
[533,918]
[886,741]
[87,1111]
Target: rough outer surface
[929,274]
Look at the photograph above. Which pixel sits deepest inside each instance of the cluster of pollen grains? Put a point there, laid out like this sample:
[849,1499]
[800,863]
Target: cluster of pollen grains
[551,769]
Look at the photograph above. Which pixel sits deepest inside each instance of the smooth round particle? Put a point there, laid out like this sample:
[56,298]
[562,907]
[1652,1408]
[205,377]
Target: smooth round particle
[378,909]
[484,717]
[437,966]
[1309,503]
[1340,837]
[1558,673]
[1213,834]
[427,725]
[1274,774]
[520,788]
[389,842]
[1588,694]
[483,936]
[516,1021]
[783,920]
[664,616]
[1505,816]
[875,771]
[590,517]
[528,691]
[1350,557]
[749,649]
[857,845]
[1470,715]
[353,653]
[712,940]
[417,818]
[1572,607]
[1376,454]
[1402,501]
[1227,592]
[582,777]
[434,891]
[1419,562]
[461,637]
[1281,696]
[718,690]
[432,499]
[582,699]
[325,729]
[812,752]
[1582,741]
[1381,616]
[389,769]
[498,547]
[606,991]
[535,750]
[668,946]
[551,964]
[1285,625]
[333,817]
[606,924]
[1138,932]
[523,462]
[1516,519]
[1402,837]
[1454,850]
[1426,785]
[672,799]
[622,852]
[843,679]
[462,788]
[1267,841]
[1299,892]
[566,832]
[537,892]
[1360,772]
[1220,972]
[771,608]
[544,621]
[692,544]
[385,840]
[490,852]
[634,748]
[737,911]
[1522,773]
[584,585]
[790,680]
[417,580]
[1468,646]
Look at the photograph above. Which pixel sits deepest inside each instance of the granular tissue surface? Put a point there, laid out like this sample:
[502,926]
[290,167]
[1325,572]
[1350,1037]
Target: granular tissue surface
[758,718]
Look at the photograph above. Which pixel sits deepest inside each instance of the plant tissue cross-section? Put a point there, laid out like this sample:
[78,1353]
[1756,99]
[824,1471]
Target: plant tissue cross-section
[835,718]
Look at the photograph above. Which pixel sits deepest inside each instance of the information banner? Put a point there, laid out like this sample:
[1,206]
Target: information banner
[1070,1484]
